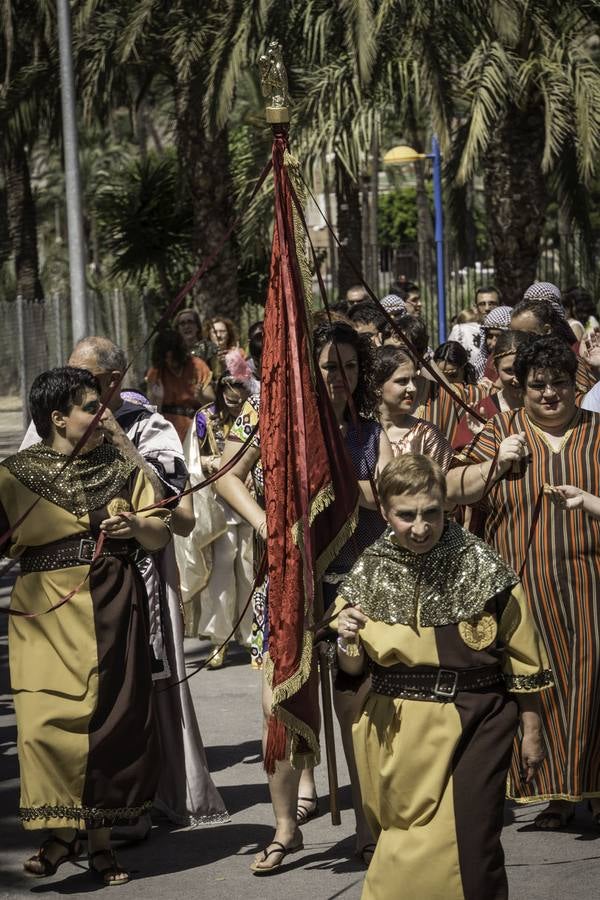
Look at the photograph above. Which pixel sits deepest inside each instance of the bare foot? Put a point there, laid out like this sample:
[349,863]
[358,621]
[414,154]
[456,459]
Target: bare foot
[103,864]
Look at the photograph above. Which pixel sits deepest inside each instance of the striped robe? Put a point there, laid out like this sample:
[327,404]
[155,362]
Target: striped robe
[440,409]
[562,584]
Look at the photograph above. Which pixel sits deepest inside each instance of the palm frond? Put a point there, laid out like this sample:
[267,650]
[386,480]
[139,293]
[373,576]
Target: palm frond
[359,35]
[585,81]
[489,80]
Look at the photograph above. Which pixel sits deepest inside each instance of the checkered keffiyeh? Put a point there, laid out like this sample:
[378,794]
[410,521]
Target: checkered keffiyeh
[545,290]
[392,303]
[498,318]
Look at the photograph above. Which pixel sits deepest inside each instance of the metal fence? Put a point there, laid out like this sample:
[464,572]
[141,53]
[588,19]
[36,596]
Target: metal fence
[386,264]
[36,335]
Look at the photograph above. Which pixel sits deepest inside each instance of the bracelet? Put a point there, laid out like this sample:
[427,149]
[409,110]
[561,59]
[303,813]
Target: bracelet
[352,649]
[167,521]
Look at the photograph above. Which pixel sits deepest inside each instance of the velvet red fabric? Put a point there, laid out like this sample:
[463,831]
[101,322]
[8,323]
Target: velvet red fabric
[303,458]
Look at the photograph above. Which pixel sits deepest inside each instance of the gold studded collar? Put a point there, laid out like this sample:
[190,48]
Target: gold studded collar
[451,583]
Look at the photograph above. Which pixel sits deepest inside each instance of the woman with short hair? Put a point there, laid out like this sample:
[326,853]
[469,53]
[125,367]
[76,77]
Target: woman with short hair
[87,744]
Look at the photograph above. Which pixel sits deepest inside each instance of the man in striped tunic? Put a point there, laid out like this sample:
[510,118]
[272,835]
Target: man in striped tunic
[555,443]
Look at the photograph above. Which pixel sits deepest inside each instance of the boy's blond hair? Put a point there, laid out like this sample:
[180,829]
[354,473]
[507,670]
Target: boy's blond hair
[411,473]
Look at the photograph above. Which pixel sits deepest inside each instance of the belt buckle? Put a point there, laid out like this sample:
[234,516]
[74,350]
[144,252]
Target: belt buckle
[446,691]
[87,548]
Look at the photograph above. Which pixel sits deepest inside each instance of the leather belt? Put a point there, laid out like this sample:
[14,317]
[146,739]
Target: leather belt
[430,683]
[69,552]
[174,410]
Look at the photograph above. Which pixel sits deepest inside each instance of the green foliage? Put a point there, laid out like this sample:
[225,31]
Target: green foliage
[397,217]
[145,221]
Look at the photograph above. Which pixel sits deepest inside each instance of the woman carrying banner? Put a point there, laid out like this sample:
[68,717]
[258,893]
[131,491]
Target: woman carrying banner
[345,362]
[87,745]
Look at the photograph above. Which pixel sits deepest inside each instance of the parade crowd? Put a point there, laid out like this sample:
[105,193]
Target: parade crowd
[462,613]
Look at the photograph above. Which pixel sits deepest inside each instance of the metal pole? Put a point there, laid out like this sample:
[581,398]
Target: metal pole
[77,254]
[439,237]
[373,234]
[23,373]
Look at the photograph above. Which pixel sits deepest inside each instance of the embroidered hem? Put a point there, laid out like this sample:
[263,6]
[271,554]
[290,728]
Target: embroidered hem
[95,815]
[522,684]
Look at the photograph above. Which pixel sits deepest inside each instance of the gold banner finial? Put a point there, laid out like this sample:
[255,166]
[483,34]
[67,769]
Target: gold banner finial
[274,84]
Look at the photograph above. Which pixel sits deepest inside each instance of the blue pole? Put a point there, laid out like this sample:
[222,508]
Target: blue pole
[439,237]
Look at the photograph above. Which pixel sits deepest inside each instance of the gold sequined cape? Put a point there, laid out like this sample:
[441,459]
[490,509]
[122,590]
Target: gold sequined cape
[77,484]
[450,583]
[80,675]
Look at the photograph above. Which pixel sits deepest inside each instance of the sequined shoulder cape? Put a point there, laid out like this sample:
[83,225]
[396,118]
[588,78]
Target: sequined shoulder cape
[451,583]
[78,485]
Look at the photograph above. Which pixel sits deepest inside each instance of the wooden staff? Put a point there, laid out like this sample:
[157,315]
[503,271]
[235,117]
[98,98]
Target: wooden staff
[328,733]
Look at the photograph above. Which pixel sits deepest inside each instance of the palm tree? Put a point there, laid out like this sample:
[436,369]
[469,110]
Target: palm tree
[530,104]
[198,49]
[28,103]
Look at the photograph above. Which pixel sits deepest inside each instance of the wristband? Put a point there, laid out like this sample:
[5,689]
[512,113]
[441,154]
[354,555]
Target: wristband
[352,649]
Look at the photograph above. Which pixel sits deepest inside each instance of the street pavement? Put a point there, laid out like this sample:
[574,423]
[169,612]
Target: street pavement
[213,863]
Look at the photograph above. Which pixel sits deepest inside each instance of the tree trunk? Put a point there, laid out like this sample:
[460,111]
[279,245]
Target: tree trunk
[516,200]
[206,171]
[348,226]
[22,225]
[564,246]
[425,235]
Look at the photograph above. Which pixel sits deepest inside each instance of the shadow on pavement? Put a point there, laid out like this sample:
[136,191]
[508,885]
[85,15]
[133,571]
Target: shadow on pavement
[225,756]
[168,851]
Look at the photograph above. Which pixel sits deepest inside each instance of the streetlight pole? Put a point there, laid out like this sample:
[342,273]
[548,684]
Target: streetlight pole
[77,255]
[399,156]
[439,236]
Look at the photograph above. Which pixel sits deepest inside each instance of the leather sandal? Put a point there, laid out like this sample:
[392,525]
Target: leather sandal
[278,847]
[109,874]
[544,819]
[303,813]
[73,849]
[366,854]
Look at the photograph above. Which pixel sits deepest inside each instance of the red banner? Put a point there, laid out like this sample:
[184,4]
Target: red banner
[311,491]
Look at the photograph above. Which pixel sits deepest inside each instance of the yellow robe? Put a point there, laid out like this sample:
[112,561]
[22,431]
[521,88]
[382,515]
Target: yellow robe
[432,775]
[80,675]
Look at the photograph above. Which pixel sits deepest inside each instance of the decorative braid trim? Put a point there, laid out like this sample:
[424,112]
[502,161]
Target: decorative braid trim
[319,503]
[295,727]
[292,165]
[523,684]
[89,813]
[331,551]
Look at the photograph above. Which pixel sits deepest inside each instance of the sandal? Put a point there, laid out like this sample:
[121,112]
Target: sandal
[542,820]
[367,849]
[303,813]
[595,814]
[109,875]
[277,848]
[73,849]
